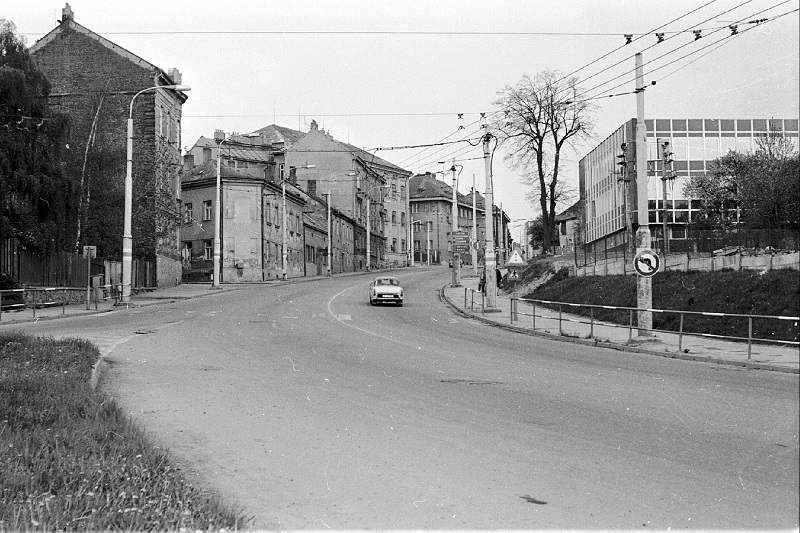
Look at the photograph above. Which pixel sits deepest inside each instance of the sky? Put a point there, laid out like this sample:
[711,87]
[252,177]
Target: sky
[388,74]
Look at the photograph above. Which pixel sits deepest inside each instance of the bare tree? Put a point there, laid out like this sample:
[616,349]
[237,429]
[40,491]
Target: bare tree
[539,118]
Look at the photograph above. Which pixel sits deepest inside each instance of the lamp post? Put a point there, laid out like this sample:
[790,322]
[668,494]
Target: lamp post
[369,208]
[454,255]
[127,234]
[219,136]
[330,239]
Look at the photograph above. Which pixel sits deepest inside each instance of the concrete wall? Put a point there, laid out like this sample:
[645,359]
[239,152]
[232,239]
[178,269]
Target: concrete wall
[684,263]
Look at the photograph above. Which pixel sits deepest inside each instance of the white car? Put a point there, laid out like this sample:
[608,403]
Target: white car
[386,289]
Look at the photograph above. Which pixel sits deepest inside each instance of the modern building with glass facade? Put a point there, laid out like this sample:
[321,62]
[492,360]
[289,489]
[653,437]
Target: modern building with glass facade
[608,189]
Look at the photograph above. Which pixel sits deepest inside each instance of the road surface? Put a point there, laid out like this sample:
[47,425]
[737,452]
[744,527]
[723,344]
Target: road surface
[315,410]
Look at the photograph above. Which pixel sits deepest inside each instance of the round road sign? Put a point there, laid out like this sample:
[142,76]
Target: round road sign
[646,263]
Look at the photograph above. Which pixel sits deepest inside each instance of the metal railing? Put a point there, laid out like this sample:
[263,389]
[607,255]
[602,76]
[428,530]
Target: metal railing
[469,296]
[559,306]
[34,298]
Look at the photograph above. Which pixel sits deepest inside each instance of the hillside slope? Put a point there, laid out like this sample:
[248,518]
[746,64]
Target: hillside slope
[775,293]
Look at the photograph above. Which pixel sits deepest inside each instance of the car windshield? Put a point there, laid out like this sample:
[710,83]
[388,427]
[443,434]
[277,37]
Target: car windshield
[387,281]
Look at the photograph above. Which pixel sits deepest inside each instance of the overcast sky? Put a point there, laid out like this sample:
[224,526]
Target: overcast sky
[398,73]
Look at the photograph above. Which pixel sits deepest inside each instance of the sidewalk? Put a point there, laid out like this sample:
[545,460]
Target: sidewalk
[180,292]
[578,330]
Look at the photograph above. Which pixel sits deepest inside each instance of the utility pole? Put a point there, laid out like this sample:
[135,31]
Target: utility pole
[428,241]
[284,237]
[330,239]
[666,159]
[489,260]
[473,251]
[644,284]
[454,255]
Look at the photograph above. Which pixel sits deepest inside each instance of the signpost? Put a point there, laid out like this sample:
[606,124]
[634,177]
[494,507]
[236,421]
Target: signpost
[514,263]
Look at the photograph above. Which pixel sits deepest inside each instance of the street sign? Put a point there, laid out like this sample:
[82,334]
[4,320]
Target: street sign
[90,251]
[646,263]
[515,259]
[512,273]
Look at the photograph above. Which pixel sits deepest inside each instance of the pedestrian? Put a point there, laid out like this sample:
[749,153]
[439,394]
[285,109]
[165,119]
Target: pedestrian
[499,277]
[482,281]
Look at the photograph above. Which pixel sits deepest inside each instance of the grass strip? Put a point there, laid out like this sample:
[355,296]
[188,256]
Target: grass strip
[70,459]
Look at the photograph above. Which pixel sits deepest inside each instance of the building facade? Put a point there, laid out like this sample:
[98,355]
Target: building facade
[93,81]
[431,204]
[608,189]
[252,232]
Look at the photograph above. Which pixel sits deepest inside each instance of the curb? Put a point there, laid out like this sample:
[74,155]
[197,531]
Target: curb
[613,346]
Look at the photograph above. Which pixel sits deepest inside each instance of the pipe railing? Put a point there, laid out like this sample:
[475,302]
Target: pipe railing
[41,297]
[548,304]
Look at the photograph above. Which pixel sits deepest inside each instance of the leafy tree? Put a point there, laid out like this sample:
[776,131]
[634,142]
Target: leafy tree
[536,232]
[541,116]
[35,197]
[758,190]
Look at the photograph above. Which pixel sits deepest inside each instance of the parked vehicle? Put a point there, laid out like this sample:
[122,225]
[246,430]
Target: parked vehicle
[386,289]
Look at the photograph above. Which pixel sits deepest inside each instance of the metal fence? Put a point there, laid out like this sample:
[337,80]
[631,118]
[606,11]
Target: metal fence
[632,313]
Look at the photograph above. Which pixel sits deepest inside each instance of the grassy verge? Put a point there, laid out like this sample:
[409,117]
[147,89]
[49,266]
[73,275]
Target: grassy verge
[70,459]
[775,293]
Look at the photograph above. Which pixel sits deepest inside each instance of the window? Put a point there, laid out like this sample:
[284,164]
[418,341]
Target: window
[187,213]
[416,246]
[403,192]
[394,245]
[394,190]
[415,208]
[403,219]
[206,209]
[186,252]
[208,250]
[394,217]
[403,245]
[417,226]
[281,169]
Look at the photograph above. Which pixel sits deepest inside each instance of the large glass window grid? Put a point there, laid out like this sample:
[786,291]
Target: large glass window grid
[694,143]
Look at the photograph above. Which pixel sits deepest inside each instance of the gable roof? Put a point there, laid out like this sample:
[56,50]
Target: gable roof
[569,213]
[69,24]
[274,134]
[280,134]
[426,187]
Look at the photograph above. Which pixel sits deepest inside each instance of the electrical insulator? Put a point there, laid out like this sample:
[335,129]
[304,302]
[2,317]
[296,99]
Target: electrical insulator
[628,38]
[660,37]
[697,34]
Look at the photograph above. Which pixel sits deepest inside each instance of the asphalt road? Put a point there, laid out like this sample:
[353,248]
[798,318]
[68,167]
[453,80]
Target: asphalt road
[315,410]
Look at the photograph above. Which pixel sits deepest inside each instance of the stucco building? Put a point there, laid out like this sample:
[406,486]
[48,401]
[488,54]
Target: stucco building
[93,81]
[431,203]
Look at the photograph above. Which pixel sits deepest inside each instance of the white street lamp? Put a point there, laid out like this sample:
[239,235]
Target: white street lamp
[369,230]
[219,137]
[127,234]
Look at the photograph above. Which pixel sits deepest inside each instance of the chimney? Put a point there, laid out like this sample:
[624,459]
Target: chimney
[175,74]
[66,14]
[188,161]
[314,126]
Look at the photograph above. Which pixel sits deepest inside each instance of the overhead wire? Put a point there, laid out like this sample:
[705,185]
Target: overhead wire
[725,38]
